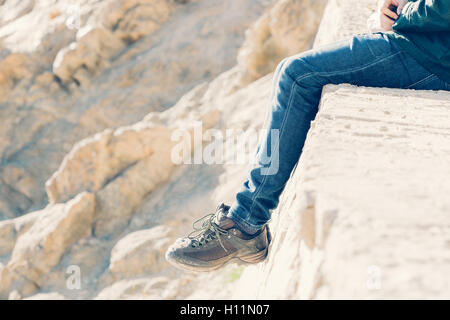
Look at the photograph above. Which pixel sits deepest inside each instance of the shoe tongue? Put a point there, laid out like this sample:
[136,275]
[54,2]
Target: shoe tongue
[221,218]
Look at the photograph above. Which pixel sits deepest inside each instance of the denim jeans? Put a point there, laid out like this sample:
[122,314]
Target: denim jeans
[371,60]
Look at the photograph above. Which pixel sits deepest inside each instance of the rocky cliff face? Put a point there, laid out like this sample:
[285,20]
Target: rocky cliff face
[70,69]
[116,199]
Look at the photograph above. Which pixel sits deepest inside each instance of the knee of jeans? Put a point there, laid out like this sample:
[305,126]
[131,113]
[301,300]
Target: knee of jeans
[295,66]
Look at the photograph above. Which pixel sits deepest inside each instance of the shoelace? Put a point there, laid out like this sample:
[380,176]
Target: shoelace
[199,236]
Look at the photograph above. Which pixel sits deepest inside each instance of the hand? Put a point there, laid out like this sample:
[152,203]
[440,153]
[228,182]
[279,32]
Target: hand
[387,13]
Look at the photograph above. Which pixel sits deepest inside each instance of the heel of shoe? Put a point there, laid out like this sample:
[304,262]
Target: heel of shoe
[255,257]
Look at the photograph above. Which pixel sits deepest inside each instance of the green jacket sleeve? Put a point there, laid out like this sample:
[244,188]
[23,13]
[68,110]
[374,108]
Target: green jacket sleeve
[424,16]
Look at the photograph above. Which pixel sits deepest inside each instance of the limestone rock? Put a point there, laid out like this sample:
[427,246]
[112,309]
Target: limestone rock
[26,23]
[13,68]
[133,19]
[46,296]
[286,28]
[13,9]
[15,295]
[140,252]
[89,54]
[143,288]
[95,160]
[342,19]
[106,33]
[121,167]
[11,229]
[7,237]
[112,66]
[119,199]
[40,248]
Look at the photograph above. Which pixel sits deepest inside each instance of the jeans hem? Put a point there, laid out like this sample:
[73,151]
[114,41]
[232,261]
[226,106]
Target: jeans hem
[241,222]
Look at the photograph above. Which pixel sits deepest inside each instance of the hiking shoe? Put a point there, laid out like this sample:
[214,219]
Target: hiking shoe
[216,242]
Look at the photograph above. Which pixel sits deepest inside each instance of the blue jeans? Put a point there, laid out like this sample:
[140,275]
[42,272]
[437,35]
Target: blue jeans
[371,60]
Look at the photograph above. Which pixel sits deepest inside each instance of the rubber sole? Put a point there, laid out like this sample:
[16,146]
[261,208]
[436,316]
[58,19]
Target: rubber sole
[245,260]
[256,257]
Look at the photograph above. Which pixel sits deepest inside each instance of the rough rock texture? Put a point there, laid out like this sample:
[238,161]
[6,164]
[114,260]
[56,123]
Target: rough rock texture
[69,71]
[122,167]
[140,252]
[41,247]
[365,213]
[46,296]
[286,29]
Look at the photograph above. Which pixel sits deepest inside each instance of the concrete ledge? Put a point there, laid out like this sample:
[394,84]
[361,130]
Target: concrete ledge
[366,212]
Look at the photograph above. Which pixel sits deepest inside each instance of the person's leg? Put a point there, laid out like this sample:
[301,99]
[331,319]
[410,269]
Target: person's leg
[240,232]
[365,60]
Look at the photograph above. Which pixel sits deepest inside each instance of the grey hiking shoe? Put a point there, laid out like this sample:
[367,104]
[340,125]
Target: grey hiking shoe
[216,242]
